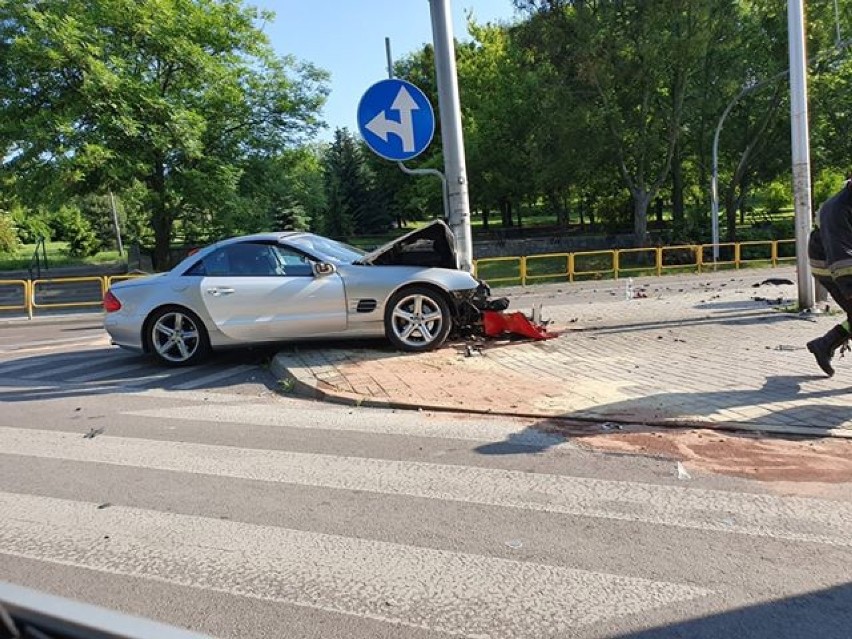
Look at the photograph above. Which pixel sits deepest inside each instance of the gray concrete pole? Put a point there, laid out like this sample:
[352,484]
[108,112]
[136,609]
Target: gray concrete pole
[452,138]
[800,148]
[115,224]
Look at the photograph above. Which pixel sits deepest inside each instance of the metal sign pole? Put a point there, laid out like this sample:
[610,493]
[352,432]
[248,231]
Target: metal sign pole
[415,172]
[451,130]
[800,148]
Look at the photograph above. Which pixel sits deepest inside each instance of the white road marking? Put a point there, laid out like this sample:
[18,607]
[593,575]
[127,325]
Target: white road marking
[105,373]
[789,518]
[351,420]
[32,362]
[201,396]
[458,593]
[214,377]
[94,340]
[79,363]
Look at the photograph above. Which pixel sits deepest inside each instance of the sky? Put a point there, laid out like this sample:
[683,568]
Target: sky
[347,39]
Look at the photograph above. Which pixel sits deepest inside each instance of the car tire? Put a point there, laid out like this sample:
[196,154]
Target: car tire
[417,319]
[177,337]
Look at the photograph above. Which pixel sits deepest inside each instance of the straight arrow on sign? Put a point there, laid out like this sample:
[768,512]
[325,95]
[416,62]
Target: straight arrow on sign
[404,129]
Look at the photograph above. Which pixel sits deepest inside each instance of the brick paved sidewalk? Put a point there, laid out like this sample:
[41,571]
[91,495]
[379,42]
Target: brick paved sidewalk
[702,353]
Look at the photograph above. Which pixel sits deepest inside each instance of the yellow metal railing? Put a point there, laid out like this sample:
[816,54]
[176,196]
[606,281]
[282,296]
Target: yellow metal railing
[481,273]
[683,257]
[31,288]
[697,258]
[521,270]
[25,296]
[651,257]
[65,281]
[110,279]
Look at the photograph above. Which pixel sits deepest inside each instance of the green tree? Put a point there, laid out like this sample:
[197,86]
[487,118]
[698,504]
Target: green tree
[8,234]
[97,211]
[353,204]
[172,95]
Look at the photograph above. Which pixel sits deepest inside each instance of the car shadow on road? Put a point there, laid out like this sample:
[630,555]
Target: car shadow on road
[76,373]
[674,410]
[826,614]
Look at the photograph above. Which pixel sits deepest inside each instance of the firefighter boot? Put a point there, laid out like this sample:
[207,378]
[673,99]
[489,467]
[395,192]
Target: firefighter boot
[823,347]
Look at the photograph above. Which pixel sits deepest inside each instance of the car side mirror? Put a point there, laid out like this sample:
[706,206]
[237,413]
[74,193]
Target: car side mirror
[322,269]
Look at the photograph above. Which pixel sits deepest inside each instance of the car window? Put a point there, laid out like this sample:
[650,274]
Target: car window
[329,250]
[252,259]
[292,263]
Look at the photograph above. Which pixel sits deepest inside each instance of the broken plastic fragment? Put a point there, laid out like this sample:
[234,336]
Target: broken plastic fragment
[495,324]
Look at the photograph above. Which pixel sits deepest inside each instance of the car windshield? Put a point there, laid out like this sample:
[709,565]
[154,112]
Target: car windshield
[331,250]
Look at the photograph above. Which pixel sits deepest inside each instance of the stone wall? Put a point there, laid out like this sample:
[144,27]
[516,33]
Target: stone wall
[556,244]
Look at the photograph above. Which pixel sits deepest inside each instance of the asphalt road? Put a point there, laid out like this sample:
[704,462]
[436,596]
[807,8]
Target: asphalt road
[203,498]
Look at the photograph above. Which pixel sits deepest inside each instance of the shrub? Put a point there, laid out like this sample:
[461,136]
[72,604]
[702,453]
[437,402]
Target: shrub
[84,242]
[827,183]
[778,195]
[69,225]
[31,225]
[8,234]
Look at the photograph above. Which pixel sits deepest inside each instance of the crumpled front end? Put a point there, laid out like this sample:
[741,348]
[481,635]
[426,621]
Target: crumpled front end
[478,315]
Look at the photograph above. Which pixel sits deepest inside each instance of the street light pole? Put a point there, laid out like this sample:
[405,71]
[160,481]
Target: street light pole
[452,138]
[714,180]
[800,148]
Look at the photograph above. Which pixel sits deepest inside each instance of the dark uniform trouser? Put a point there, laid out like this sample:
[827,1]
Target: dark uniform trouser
[840,288]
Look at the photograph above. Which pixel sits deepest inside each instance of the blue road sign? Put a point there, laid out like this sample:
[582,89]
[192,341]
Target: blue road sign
[396,119]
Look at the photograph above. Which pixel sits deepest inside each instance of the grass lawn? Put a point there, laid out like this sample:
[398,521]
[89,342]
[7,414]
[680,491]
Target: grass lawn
[57,255]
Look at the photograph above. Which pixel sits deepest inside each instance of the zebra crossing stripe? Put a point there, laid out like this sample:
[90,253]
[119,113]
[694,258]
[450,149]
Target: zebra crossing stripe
[457,593]
[787,518]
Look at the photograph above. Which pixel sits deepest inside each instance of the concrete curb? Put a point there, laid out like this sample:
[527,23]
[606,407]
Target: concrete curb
[308,387]
[68,318]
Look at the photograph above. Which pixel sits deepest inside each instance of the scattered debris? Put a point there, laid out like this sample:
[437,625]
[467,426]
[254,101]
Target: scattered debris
[93,432]
[611,426]
[471,350]
[771,302]
[773,281]
[787,347]
[515,544]
[681,472]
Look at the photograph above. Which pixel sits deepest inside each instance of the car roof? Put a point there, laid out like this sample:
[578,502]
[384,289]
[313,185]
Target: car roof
[263,237]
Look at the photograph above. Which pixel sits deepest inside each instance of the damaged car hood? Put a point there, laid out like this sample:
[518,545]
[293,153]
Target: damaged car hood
[430,246]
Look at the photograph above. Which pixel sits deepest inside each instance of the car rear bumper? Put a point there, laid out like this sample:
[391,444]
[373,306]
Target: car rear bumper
[123,333]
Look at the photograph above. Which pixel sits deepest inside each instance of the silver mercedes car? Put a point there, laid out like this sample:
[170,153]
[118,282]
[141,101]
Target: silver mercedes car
[278,287]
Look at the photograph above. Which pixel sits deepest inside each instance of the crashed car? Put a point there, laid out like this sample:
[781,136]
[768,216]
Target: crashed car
[278,287]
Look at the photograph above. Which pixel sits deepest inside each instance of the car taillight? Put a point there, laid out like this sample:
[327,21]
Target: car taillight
[111,303]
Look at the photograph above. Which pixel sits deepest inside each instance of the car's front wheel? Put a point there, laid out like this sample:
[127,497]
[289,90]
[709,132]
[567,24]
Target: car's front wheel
[417,319]
[177,337]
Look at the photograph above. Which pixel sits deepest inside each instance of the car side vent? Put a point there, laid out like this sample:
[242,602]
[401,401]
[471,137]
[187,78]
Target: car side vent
[366,306]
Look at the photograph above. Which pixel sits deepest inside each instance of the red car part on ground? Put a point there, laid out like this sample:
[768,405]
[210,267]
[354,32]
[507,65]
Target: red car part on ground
[496,323]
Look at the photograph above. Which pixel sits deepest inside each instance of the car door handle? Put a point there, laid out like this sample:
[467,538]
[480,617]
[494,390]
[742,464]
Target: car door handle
[216,292]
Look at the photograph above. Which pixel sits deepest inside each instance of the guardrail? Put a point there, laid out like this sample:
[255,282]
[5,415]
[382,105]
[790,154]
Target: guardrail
[58,293]
[553,267]
[581,265]
[25,296]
